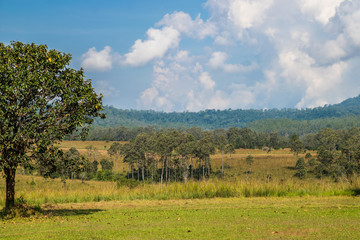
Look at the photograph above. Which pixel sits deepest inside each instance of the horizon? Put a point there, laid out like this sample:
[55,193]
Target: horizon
[191,56]
[230,109]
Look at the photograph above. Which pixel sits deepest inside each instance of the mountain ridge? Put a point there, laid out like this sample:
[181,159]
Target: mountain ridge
[213,119]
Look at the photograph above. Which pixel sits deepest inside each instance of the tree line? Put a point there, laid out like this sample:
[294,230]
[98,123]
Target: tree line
[172,155]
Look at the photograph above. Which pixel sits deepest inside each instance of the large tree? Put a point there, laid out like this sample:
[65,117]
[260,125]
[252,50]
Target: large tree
[41,101]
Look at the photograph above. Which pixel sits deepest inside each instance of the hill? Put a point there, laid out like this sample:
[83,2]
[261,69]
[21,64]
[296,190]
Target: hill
[347,111]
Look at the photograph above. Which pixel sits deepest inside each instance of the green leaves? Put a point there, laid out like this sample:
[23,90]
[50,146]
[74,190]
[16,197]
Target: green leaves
[41,99]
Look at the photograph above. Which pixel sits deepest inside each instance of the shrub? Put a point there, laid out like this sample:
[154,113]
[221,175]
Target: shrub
[300,168]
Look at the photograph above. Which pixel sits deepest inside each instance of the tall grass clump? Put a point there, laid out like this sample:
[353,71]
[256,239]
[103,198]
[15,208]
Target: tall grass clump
[53,190]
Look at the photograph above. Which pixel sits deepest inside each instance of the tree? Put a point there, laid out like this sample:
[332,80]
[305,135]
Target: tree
[203,149]
[114,150]
[327,152]
[41,101]
[300,168]
[221,143]
[106,164]
[296,146]
[70,165]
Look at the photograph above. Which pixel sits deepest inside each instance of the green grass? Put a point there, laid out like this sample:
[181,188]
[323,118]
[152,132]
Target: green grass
[239,206]
[37,190]
[218,218]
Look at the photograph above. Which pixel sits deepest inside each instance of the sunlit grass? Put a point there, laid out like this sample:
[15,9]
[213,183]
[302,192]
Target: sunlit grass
[36,190]
[271,174]
[216,218]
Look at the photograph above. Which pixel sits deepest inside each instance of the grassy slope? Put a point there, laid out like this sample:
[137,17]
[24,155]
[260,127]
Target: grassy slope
[234,218]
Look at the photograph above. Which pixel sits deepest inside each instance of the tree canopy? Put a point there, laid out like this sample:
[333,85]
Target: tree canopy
[41,101]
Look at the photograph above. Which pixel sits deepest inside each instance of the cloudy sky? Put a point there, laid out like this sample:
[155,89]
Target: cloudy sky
[191,55]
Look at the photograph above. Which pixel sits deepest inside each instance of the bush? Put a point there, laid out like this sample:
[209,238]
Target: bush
[106,164]
[104,175]
[130,183]
[312,162]
[300,168]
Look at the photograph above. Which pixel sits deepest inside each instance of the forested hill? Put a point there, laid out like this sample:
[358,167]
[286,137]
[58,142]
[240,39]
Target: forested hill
[213,119]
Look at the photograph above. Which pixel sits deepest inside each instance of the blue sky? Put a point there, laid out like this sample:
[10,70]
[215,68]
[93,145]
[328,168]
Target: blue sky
[191,55]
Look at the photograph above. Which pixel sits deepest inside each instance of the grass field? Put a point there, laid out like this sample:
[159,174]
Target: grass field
[219,218]
[240,205]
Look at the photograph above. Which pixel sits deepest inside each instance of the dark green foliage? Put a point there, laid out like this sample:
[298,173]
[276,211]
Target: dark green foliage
[338,153]
[282,121]
[114,149]
[104,175]
[106,164]
[300,168]
[312,162]
[249,160]
[296,145]
[130,183]
[41,101]
[308,156]
[68,165]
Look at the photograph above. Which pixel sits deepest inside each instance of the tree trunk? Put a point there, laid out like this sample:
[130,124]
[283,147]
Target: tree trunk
[166,171]
[10,187]
[222,163]
[143,172]
[162,171]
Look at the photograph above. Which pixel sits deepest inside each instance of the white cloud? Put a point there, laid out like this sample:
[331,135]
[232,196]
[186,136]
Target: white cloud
[303,53]
[206,81]
[182,22]
[218,101]
[224,39]
[148,96]
[320,10]
[246,13]
[93,60]
[352,26]
[321,84]
[157,44]
[218,59]
[334,49]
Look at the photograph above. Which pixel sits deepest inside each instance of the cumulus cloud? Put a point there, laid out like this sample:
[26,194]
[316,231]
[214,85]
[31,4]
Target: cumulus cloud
[93,60]
[302,53]
[246,14]
[320,10]
[148,96]
[321,83]
[181,84]
[206,81]
[218,61]
[158,42]
[183,22]
[351,21]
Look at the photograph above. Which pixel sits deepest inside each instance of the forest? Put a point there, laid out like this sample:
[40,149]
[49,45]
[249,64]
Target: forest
[288,121]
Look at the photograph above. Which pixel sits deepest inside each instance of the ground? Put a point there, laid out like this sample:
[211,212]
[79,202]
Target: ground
[219,218]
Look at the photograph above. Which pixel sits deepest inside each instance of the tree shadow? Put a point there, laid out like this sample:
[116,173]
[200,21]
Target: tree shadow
[70,212]
[290,168]
[355,192]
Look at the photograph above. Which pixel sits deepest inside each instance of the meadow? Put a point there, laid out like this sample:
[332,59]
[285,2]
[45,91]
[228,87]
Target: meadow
[268,202]
[217,218]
